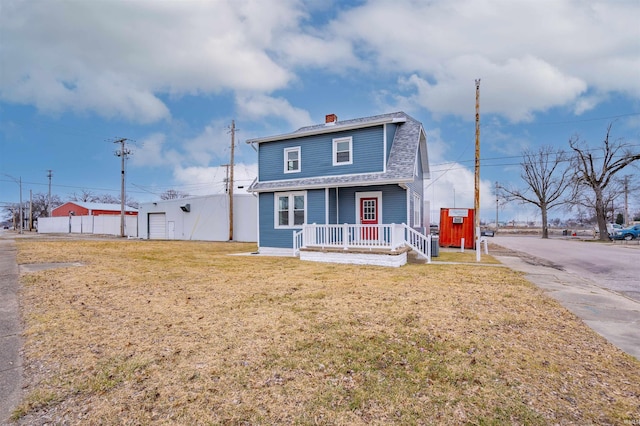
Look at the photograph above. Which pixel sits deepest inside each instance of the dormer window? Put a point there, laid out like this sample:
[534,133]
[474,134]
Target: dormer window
[342,151]
[292,160]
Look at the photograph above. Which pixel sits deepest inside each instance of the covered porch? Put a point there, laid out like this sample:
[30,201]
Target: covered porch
[379,244]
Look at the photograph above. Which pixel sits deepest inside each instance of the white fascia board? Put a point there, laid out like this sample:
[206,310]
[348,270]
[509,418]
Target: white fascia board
[327,129]
[401,183]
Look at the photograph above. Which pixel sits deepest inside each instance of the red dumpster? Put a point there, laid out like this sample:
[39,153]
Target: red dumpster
[456,224]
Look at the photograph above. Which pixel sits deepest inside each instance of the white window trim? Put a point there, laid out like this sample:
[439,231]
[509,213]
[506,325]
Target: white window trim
[276,211]
[334,153]
[417,213]
[287,151]
[371,194]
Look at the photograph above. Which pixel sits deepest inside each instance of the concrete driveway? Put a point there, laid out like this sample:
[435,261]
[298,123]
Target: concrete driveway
[598,282]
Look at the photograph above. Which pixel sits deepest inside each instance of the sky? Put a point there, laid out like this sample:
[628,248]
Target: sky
[171,75]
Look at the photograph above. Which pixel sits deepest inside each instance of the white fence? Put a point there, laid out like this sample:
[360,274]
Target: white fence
[350,236]
[101,225]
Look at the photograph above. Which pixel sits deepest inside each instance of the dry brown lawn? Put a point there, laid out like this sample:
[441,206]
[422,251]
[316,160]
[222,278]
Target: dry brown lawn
[183,333]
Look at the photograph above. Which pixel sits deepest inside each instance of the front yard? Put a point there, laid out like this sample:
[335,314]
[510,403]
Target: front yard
[183,333]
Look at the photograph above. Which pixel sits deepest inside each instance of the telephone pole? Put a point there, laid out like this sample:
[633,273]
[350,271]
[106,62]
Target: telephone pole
[497,204]
[30,210]
[226,178]
[230,181]
[626,200]
[477,174]
[49,175]
[123,153]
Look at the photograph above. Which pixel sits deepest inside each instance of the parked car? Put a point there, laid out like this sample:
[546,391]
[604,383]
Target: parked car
[487,233]
[627,233]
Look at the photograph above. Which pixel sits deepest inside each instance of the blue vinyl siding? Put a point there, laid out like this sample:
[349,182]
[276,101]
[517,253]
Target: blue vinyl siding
[315,206]
[416,187]
[269,236]
[394,210]
[333,206]
[394,203]
[283,238]
[316,155]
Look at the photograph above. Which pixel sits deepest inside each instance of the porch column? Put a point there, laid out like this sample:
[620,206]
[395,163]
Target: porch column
[345,236]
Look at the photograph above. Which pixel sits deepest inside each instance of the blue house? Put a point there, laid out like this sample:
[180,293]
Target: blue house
[354,186]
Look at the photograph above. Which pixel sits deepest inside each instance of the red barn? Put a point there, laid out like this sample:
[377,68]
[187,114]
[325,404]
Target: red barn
[79,208]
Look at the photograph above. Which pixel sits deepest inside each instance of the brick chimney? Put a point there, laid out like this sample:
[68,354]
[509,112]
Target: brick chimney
[330,119]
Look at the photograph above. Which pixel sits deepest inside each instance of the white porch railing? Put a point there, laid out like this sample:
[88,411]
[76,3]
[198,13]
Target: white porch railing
[359,236]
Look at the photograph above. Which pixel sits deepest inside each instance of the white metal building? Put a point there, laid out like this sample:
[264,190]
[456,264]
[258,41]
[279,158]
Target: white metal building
[204,218]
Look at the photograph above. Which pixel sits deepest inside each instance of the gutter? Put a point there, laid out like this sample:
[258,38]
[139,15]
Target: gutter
[331,185]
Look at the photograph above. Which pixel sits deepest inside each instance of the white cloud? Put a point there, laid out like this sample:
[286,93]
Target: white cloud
[452,184]
[531,56]
[114,58]
[152,152]
[212,144]
[117,58]
[258,106]
[212,180]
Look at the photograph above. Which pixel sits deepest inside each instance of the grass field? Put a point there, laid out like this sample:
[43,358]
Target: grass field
[183,333]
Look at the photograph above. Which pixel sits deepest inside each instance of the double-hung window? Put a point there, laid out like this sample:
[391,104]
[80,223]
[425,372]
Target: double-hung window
[292,160]
[290,209]
[342,151]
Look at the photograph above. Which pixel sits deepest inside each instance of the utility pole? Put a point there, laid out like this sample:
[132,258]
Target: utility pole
[226,179]
[230,181]
[49,175]
[123,153]
[21,210]
[497,205]
[477,174]
[626,200]
[30,210]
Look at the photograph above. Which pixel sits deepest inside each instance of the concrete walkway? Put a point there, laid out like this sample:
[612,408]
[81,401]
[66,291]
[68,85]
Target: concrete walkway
[10,330]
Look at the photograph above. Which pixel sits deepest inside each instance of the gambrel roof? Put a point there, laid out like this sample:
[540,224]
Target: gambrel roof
[400,166]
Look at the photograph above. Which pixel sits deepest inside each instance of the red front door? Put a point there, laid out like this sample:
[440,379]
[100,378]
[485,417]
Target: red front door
[369,216]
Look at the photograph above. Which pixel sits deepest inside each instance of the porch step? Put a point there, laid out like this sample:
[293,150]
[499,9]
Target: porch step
[413,257]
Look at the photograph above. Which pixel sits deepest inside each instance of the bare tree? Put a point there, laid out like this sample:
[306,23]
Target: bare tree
[581,197]
[108,199]
[87,196]
[40,204]
[84,196]
[172,194]
[546,180]
[598,171]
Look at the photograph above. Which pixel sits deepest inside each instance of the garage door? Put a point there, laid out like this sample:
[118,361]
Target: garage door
[157,226]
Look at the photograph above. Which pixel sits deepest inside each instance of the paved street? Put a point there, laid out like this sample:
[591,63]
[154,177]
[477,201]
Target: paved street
[597,282]
[615,266]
